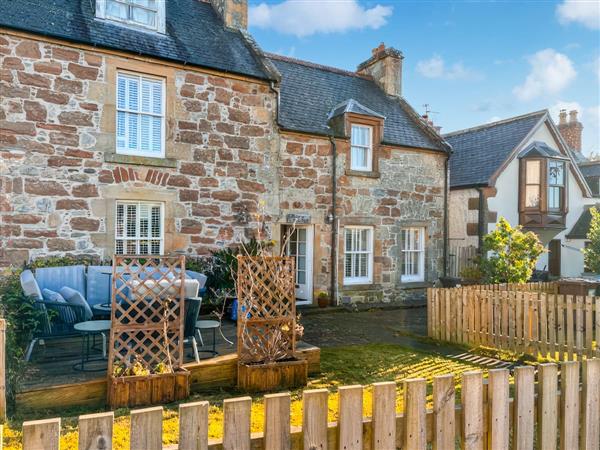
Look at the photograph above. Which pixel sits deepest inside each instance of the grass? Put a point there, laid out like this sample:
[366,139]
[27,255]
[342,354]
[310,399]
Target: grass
[340,366]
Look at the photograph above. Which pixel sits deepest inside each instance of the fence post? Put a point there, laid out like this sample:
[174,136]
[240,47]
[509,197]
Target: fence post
[384,415]
[547,406]
[236,423]
[2,370]
[590,433]
[523,408]
[314,418]
[41,434]
[444,421]
[193,426]
[277,422]
[569,405]
[96,431]
[498,429]
[472,411]
[415,414]
[350,417]
[146,429]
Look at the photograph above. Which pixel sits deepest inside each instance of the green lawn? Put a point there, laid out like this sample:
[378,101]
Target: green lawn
[364,364]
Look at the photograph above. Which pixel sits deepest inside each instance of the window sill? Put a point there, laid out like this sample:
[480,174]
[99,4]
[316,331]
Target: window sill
[140,160]
[360,173]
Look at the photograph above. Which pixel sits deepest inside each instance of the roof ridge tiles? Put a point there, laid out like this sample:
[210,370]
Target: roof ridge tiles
[317,66]
[496,123]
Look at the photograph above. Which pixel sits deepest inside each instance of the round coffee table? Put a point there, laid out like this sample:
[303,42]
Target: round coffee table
[102,309]
[89,329]
[208,325]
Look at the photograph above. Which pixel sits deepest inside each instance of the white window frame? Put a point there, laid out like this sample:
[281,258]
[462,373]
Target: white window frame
[420,276]
[160,16]
[139,152]
[368,148]
[137,237]
[369,252]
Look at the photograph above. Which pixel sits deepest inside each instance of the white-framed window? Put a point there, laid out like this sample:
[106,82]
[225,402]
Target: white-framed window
[533,181]
[361,148]
[358,255]
[147,14]
[139,228]
[413,254]
[556,185]
[140,115]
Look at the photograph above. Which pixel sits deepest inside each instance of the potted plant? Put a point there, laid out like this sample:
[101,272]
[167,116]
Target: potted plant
[323,299]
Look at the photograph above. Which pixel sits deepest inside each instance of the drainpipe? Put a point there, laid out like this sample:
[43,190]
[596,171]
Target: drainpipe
[481,225]
[334,230]
[446,174]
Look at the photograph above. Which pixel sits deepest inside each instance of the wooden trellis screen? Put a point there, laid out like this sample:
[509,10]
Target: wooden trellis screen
[266,326]
[482,416]
[537,323]
[141,286]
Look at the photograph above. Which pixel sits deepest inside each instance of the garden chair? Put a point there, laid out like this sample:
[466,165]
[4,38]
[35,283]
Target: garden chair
[192,311]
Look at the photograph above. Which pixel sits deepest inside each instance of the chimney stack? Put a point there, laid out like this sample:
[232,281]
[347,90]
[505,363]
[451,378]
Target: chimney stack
[385,66]
[233,12]
[571,130]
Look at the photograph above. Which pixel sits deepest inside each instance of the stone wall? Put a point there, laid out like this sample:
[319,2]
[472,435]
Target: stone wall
[61,175]
[409,192]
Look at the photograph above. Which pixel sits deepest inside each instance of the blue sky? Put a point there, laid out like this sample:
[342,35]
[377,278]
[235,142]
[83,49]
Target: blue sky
[473,62]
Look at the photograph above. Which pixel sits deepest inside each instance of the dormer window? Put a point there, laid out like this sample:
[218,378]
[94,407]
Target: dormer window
[148,14]
[361,154]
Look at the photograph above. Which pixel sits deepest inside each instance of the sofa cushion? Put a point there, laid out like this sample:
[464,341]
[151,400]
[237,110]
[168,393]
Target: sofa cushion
[164,288]
[30,286]
[197,276]
[54,278]
[75,298]
[98,285]
[65,314]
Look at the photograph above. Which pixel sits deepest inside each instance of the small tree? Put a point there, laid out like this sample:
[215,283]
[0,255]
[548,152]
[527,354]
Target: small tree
[512,254]
[591,254]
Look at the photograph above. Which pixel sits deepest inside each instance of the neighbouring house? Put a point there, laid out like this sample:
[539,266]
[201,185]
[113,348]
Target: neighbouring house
[521,169]
[158,127]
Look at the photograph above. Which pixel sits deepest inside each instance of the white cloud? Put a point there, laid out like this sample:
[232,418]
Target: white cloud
[435,67]
[550,73]
[589,118]
[585,12]
[304,18]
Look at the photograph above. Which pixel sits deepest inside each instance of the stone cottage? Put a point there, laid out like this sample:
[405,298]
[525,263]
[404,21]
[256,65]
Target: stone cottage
[153,127]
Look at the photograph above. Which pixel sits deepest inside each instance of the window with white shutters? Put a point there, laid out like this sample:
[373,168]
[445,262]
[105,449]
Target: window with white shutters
[413,254]
[139,228]
[140,116]
[148,14]
[358,255]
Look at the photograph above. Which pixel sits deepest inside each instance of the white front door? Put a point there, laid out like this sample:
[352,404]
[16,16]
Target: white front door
[300,246]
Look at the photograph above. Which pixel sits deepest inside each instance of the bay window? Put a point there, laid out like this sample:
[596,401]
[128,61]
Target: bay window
[532,183]
[358,255]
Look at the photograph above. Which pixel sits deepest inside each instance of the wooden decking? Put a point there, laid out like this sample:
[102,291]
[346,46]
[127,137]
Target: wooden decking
[53,362]
[51,380]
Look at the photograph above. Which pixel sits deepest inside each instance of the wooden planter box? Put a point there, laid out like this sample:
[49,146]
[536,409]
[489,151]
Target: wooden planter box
[268,377]
[154,389]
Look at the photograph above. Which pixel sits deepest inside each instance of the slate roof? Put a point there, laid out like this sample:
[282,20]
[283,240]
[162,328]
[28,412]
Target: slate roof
[194,35]
[309,92]
[478,152]
[352,106]
[590,169]
[582,226]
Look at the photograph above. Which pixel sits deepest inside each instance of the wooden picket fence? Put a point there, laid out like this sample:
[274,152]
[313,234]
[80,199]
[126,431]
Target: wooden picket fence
[535,322]
[549,287]
[485,417]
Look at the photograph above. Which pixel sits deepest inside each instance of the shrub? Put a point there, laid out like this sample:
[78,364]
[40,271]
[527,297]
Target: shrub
[591,254]
[21,319]
[511,254]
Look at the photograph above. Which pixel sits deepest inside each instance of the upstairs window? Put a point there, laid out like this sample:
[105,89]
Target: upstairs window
[139,228]
[533,181]
[361,148]
[140,116]
[556,185]
[148,14]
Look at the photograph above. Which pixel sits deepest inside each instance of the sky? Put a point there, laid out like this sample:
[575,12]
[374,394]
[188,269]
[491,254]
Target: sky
[472,62]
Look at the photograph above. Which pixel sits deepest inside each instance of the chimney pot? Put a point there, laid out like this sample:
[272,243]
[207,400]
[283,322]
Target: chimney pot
[562,117]
[571,130]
